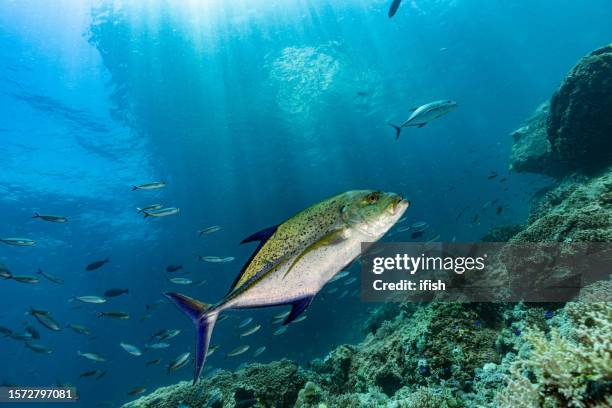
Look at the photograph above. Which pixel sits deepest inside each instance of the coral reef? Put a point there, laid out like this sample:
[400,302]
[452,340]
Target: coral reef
[580,119]
[571,369]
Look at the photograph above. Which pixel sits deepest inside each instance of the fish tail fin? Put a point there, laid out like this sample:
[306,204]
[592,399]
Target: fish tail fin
[100,314]
[146,214]
[139,210]
[36,215]
[398,130]
[204,316]
[134,188]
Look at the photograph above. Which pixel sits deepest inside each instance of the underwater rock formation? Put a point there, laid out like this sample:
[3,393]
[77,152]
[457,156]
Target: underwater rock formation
[580,120]
[531,150]
[572,131]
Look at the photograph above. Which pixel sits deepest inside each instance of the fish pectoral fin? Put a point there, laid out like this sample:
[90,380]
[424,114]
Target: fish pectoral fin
[333,238]
[261,236]
[297,308]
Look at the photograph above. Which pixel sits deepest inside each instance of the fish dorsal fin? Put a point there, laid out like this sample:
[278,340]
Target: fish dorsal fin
[262,236]
[413,109]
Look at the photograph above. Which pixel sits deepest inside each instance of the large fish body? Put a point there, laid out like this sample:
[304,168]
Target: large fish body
[295,259]
[425,114]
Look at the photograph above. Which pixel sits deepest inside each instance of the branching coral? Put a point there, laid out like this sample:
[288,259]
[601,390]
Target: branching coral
[566,371]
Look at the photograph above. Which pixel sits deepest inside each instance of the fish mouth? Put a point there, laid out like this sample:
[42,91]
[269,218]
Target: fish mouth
[397,204]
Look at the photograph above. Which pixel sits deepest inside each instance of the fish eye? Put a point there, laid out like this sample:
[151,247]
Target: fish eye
[373,197]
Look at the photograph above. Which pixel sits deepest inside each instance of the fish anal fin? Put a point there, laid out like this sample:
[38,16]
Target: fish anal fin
[297,308]
[261,236]
[333,238]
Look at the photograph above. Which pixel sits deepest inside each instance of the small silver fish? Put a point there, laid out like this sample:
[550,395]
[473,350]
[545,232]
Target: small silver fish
[350,281]
[51,278]
[282,315]
[251,330]
[90,299]
[245,322]
[300,319]
[259,351]
[150,186]
[26,279]
[180,281]
[79,329]
[133,350]
[157,346]
[163,212]
[18,241]
[50,218]
[178,362]
[38,348]
[114,315]
[280,331]
[209,230]
[212,349]
[238,351]
[149,208]
[44,318]
[339,276]
[98,358]
[137,391]
[167,334]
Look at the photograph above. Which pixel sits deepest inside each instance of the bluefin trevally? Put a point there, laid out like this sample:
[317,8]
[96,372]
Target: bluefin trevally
[296,258]
[425,114]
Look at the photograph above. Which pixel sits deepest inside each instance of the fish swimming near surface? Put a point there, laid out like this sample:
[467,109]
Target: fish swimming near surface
[424,114]
[18,241]
[393,8]
[44,317]
[96,265]
[295,259]
[150,186]
[49,277]
[149,208]
[162,212]
[114,292]
[50,218]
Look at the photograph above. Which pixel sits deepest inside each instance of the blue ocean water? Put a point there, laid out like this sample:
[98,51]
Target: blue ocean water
[250,111]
